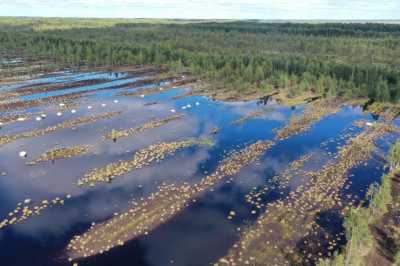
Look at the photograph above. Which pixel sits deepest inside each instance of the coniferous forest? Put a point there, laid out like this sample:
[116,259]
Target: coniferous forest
[327,59]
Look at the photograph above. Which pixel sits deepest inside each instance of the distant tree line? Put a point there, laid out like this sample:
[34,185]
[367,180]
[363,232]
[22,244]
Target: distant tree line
[332,60]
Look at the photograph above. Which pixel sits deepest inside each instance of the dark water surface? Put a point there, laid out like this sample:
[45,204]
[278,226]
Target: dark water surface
[201,233]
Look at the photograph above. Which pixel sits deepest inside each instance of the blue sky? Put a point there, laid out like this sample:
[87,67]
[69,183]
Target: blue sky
[206,9]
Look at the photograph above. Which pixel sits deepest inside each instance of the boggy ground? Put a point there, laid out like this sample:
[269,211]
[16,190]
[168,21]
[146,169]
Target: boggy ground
[154,123]
[162,205]
[289,233]
[168,200]
[159,207]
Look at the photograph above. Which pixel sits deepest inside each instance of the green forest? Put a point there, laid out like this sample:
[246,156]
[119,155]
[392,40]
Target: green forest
[325,59]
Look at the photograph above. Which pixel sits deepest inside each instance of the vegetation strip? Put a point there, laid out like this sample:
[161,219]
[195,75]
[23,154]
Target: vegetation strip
[373,232]
[12,106]
[144,157]
[312,113]
[155,123]
[62,153]
[159,207]
[63,125]
[50,87]
[275,235]
[248,116]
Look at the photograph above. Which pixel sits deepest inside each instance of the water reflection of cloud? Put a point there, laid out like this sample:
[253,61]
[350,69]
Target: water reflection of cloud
[102,202]
[48,179]
[272,112]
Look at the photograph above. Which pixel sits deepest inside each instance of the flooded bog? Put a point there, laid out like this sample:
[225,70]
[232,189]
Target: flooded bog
[130,171]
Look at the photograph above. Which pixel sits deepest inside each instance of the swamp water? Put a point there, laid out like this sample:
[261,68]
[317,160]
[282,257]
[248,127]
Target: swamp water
[200,233]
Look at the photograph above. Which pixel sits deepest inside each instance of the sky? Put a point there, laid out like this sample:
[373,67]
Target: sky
[207,9]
